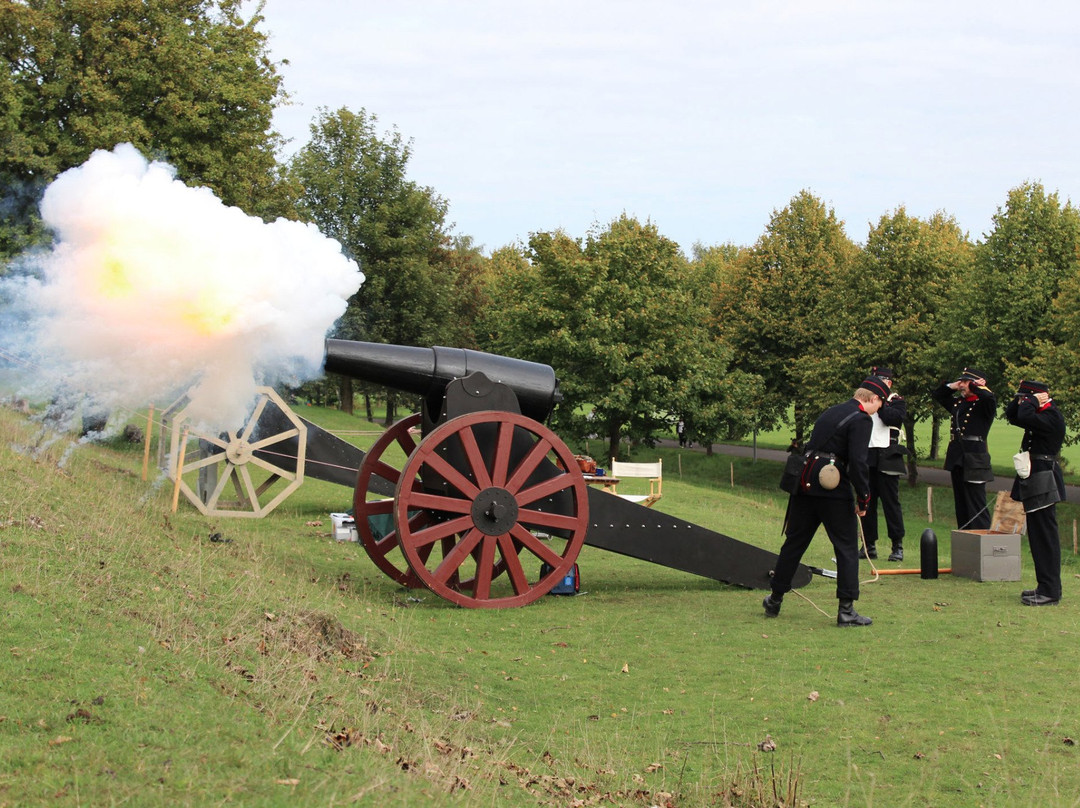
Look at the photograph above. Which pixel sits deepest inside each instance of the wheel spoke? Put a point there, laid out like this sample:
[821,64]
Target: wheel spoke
[528,465]
[475,458]
[518,579]
[385,471]
[462,483]
[456,557]
[557,521]
[272,439]
[202,462]
[545,489]
[440,530]
[485,569]
[249,487]
[256,414]
[438,502]
[223,480]
[271,468]
[500,467]
[529,542]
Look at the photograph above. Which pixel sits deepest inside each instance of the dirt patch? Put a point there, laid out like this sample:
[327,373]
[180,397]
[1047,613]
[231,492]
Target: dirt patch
[315,635]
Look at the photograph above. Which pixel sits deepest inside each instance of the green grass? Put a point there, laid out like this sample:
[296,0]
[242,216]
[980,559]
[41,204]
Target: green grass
[144,664]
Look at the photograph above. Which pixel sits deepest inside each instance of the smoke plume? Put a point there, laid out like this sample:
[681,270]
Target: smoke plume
[154,288]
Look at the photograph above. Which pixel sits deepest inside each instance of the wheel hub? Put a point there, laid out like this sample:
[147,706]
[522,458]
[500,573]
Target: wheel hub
[494,511]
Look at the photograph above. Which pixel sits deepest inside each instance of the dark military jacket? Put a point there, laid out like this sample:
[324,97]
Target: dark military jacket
[972,417]
[1044,433]
[848,444]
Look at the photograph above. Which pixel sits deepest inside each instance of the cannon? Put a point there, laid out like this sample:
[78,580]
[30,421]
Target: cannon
[473,497]
[477,500]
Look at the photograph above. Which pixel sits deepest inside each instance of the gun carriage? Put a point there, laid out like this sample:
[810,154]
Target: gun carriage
[473,496]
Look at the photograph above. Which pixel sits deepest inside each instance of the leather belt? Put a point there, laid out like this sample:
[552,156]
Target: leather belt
[1050,458]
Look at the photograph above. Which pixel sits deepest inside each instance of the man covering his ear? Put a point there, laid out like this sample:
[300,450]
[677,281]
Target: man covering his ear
[972,406]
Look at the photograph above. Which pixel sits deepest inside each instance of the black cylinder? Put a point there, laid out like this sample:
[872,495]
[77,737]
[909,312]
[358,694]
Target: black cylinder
[928,554]
[427,371]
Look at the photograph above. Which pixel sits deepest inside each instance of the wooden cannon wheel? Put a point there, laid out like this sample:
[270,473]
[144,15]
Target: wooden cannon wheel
[512,503]
[384,551]
[247,472]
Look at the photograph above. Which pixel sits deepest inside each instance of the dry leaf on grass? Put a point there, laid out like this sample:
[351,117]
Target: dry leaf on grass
[814,695]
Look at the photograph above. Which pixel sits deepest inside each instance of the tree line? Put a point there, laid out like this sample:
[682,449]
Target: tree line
[730,338]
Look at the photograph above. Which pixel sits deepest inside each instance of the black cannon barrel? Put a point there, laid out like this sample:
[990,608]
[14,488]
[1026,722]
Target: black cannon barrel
[427,371]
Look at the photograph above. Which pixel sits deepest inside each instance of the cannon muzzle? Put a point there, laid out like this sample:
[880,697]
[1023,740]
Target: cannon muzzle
[427,371]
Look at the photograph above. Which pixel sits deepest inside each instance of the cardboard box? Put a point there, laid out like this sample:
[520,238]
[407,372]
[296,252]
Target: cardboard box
[344,527]
[986,555]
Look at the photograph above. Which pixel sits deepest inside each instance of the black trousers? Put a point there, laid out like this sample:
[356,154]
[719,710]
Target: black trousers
[886,489]
[970,502]
[805,515]
[1045,544]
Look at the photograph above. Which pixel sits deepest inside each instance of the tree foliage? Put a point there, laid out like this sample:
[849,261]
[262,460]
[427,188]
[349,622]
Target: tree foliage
[186,81]
[778,311]
[620,318]
[899,283]
[1006,306]
[356,189]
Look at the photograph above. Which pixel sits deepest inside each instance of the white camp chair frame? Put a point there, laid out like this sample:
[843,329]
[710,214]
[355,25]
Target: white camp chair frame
[653,472]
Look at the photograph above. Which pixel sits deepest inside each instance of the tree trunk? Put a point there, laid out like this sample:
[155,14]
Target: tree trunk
[391,408]
[912,461]
[347,395]
[367,406]
[614,432]
[935,436]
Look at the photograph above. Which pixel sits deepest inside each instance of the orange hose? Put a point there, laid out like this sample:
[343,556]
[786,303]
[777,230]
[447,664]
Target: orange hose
[941,571]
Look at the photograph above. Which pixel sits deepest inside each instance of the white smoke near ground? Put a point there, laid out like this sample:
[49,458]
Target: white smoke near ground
[155,288]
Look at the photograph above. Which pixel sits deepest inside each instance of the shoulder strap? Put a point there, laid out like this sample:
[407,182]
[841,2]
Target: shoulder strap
[839,426]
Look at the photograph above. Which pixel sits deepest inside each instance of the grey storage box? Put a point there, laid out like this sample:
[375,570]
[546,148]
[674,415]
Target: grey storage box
[986,555]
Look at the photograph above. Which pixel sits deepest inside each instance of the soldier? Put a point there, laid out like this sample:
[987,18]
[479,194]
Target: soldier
[885,461]
[967,459]
[1034,411]
[821,494]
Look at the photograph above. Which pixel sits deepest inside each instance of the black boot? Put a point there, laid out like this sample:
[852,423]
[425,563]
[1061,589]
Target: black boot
[847,616]
[870,551]
[772,606]
[897,553]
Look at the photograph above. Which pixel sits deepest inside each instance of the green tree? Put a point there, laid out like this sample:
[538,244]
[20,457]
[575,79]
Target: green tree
[778,310]
[620,319]
[899,283]
[1005,307]
[356,190]
[186,81]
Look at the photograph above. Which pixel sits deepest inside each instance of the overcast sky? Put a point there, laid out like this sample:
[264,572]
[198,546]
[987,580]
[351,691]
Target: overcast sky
[702,117]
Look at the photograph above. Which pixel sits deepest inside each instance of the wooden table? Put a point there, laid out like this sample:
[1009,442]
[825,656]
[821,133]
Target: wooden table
[609,483]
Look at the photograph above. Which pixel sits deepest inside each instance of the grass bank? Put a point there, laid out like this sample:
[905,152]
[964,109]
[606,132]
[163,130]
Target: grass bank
[152,657]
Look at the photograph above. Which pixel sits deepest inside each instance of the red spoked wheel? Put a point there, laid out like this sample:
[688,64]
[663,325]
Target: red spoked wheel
[499,489]
[382,460]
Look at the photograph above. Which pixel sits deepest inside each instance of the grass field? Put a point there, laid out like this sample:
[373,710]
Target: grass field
[146,664]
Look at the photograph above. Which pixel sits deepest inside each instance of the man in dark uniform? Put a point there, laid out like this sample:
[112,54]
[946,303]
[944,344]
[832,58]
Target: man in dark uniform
[967,459]
[840,440]
[1034,411]
[885,460]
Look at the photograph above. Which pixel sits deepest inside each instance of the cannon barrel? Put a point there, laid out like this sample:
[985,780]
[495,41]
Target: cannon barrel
[427,371]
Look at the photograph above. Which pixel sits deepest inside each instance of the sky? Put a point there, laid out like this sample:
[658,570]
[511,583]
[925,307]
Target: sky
[703,118]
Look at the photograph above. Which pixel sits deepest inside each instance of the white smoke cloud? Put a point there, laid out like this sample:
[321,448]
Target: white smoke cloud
[156,288]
